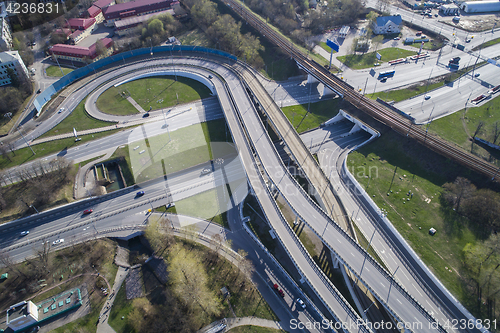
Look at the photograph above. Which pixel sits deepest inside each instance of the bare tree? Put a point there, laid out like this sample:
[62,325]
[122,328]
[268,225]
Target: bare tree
[479,126]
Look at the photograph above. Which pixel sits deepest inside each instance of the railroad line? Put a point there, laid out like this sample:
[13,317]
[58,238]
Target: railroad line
[370,107]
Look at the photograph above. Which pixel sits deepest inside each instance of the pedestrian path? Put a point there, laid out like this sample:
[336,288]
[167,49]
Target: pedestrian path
[134,103]
[102,325]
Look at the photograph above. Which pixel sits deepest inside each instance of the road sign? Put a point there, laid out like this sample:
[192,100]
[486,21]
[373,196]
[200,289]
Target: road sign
[378,56]
[333,45]
[491,61]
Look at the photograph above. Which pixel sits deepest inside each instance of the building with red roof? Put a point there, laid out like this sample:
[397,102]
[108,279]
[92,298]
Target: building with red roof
[81,28]
[126,25]
[96,13]
[134,8]
[104,3]
[81,23]
[81,54]
[96,9]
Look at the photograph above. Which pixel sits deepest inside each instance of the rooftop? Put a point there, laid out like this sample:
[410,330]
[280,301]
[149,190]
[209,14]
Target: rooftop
[80,23]
[139,19]
[94,11]
[130,6]
[103,3]
[382,20]
[9,56]
[16,311]
[59,304]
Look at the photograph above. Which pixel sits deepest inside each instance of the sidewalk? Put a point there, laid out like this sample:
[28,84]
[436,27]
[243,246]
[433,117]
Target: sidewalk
[103,326]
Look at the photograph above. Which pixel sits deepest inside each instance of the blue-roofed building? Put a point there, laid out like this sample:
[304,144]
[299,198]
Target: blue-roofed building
[387,25]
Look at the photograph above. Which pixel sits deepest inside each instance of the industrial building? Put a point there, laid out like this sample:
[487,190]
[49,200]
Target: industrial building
[135,8]
[81,54]
[95,11]
[126,25]
[26,314]
[481,6]
[450,9]
[11,59]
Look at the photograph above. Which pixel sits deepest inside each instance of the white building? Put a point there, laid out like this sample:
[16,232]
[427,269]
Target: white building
[22,315]
[481,6]
[11,59]
[449,9]
[5,33]
[387,25]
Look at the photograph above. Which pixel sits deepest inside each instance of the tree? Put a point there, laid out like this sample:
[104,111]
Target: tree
[30,37]
[483,261]
[155,27]
[189,282]
[100,49]
[159,235]
[14,79]
[458,190]
[58,38]
[205,13]
[377,40]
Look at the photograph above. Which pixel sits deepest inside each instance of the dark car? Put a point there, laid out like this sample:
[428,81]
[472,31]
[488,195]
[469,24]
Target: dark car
[87,211]
[139,194]
[145,115]
[39,91]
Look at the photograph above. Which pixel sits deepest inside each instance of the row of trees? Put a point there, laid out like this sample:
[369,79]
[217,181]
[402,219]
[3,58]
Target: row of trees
[481,207]
[225,32]
[35,185]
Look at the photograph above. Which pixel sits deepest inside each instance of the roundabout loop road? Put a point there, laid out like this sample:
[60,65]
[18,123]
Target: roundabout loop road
[240,113]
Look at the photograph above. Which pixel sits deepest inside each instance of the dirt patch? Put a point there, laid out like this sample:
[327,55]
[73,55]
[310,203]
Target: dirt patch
[474,23]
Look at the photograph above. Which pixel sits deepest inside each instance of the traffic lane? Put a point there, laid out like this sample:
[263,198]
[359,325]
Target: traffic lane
[463,91]
[364,220]
[323,134]
[335,303]
[319,224]
[176,183]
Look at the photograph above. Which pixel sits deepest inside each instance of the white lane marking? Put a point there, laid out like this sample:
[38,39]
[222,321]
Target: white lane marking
[397,299]
[416,289]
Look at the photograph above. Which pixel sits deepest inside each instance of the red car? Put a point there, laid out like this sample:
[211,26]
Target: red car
[278,290]
[87,211]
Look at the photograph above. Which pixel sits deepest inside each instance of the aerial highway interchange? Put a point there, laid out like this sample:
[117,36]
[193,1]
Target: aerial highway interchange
[414,294]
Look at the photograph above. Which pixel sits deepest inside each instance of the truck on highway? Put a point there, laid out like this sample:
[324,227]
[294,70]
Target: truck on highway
[453,66]
[494,90]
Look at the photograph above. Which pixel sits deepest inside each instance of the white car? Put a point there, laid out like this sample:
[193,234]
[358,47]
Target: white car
[24,233]
[57,242]
[301,303]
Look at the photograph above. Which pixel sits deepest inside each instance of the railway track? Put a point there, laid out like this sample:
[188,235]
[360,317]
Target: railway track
[370,107]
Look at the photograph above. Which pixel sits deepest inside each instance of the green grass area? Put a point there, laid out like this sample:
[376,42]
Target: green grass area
[319,112]
[458,126]
[254,329]
[155,92]
[56,72]
[402,94]
[366,60]
[78,119]
[25,155]
[277,65]
[326,47]
[392,166]
[195,37]
[121,308]
[210,205]
[177,150]
[431,45]
[488,43]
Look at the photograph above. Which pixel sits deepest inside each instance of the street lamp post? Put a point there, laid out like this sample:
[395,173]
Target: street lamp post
[31,206]
[8,115]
